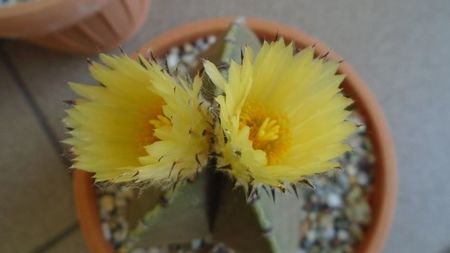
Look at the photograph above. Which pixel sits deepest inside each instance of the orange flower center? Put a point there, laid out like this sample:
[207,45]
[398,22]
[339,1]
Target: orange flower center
[268,131]
[152,118]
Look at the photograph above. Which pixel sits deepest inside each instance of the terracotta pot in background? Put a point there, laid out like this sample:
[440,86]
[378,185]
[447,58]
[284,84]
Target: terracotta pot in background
[382,200]
[74,26]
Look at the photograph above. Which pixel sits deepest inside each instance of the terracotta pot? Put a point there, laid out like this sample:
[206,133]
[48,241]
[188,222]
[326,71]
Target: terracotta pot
[383,199]
[74,26]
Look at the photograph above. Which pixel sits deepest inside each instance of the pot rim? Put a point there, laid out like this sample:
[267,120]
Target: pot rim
[35,18]
[385,183]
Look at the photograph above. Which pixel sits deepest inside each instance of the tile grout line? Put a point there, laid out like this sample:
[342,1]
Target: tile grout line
[56,239]
[37,112]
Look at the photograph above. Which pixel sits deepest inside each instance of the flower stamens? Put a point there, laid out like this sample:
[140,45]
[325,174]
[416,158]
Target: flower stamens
[268,131]
[159,121]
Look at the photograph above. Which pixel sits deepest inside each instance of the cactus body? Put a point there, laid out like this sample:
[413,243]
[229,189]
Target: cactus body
[172,217]
[261,226]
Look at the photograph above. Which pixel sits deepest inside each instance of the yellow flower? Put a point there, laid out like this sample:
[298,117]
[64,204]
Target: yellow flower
[140,125]
[282,116]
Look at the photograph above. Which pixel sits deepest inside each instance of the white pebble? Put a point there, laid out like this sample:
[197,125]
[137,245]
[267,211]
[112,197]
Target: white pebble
[333,200]
[153,250]
[343,235]
[312,216]
[201,44]
[329,232]
[362,179]
[106,231]
[196,244]
[121,202]
[182,69]
[138,250]
[107,203]
[120,235]
[172,60]
[189,58]
[311,235]
[352,170]
[211,39]
[188,48]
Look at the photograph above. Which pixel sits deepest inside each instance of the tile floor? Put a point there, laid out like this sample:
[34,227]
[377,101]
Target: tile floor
[400,47]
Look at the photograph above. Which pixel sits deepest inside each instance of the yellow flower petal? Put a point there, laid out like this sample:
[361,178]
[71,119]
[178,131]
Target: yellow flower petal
[140,125]
[282,115]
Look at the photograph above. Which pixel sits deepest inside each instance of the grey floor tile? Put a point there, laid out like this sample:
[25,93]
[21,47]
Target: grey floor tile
[74,243]
[35,187]
[46,75]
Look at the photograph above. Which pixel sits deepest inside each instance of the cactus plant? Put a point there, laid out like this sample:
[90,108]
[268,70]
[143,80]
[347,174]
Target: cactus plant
[266,222]
[216,172]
